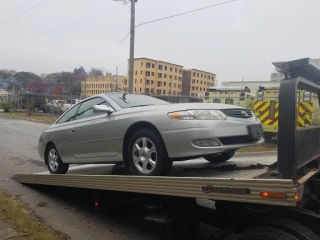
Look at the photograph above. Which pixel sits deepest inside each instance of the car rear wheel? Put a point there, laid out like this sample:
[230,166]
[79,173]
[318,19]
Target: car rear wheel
[54,162]
[220,157]
[147,154]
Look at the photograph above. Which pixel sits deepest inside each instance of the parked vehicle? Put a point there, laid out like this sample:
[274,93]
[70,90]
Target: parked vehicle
[146,133]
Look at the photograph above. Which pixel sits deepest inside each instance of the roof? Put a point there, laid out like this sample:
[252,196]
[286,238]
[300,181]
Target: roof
[158,61]
[193,69]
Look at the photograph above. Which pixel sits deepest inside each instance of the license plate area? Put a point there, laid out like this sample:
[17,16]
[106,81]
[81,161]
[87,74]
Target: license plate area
[255,131]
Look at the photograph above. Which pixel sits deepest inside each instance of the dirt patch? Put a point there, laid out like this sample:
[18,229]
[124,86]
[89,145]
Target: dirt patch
[33,118]
[262,148]
[25,222]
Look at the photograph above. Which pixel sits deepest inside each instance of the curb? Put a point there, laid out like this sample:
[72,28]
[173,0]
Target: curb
[26,119]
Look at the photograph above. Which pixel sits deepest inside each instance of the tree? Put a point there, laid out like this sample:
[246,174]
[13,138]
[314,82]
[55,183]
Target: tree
[94,72]
[14,86]
[25,77]
[79,70]
[36,85]
[6,74]
[108,74]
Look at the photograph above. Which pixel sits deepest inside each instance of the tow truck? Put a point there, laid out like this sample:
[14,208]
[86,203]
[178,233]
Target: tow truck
[266,200]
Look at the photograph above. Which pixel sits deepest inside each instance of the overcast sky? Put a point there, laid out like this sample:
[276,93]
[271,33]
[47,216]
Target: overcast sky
[234,40]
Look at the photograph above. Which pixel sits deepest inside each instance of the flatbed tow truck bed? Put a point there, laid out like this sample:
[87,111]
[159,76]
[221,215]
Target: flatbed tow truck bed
[244,177]
[258,197]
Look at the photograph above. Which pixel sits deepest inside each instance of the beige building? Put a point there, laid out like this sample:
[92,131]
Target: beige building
[197,82]
[157,77]
[100,84]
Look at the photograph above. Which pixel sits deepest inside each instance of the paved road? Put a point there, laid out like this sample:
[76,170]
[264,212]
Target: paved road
[18,154]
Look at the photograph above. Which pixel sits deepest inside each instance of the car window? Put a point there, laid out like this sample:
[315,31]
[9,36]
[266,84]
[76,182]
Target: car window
[86,108]
[69,115]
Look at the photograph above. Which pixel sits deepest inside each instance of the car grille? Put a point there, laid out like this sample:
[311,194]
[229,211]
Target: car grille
[236,140]
[237,113]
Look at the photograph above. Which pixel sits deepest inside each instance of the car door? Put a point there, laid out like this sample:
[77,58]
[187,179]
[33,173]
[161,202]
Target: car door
[93,134]
[63,133]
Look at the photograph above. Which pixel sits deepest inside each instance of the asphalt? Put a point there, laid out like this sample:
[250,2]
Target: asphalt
[65,211]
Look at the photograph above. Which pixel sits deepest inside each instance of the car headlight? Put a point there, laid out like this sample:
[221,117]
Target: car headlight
[198,115]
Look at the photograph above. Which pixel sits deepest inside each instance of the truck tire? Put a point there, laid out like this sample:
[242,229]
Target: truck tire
[294,228]
[220,157]
[266,233]
[54,162]
[147,154]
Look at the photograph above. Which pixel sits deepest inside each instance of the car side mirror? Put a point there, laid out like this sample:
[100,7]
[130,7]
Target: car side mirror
[102,109]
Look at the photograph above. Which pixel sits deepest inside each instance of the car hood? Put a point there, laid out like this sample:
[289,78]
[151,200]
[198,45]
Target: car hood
[180,107]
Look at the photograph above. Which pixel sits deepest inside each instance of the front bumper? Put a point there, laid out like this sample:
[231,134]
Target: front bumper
[232,133]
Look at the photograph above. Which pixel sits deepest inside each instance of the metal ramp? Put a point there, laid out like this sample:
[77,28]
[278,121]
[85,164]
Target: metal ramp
[239,180]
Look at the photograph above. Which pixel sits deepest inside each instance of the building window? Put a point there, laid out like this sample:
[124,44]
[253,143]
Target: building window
[194,74]
[197,81]
[193,87]
[141,64]
[192,94]
[159,84]
[212,78]
[201,89]
[170,76]
[135,89]
[175,77]
[201,82]
[175,85]
[180,79]
[170,69]
[140,80]
[180,71]
[201,75]
[147,74]
[179,86]
[165,68]
[140,89]
[152,65]
[148,65]
[164,75]
[160,67]
[158,91]
[136,72]
[147,90]
[204,82]
[135,81]
[147,82]
[208,77]
[169,84]
[164,83]
[205,76]
[176,70]
[164,91]
[151,82]
[193,81]
[159,75]
[197,88]
[152,74]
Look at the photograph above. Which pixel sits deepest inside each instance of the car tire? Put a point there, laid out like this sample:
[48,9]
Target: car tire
[54,162]
[147,154]
[220,157]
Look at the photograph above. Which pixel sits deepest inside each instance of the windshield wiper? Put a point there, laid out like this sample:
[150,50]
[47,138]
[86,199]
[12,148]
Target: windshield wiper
[142,105]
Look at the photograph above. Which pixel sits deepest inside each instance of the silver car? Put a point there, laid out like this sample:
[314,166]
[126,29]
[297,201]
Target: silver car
[145,133]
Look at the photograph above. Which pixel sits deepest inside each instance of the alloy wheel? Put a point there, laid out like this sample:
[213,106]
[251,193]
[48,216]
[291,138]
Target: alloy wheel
[144,155]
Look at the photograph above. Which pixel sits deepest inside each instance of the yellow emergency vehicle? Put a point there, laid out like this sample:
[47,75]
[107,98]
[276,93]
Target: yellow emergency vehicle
[267,106]
[239,96]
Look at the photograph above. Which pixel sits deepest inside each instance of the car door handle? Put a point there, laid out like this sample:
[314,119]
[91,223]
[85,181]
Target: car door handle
[72,130]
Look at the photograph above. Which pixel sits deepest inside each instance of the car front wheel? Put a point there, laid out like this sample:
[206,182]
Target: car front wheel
[147,154]
[54,162]
[220,157]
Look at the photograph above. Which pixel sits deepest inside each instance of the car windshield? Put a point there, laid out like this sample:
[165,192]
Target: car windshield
[125,100]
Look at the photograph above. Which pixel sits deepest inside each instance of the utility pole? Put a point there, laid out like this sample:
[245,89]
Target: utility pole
[132,32]
[132,36]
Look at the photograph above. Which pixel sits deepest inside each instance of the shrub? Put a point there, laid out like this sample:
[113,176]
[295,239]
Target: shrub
[5,106]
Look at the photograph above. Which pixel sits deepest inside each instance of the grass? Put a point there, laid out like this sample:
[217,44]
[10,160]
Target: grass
[34,118]
[25,222]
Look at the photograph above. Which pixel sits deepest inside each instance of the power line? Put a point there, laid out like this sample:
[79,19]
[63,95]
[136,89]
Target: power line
[5,23]
[19,7]
[53,29]
[177,15]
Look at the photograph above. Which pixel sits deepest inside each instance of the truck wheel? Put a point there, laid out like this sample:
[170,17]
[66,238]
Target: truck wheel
[265,233]
[147,154]
[220,157]
[294,228]
[268,136]
[54,162]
